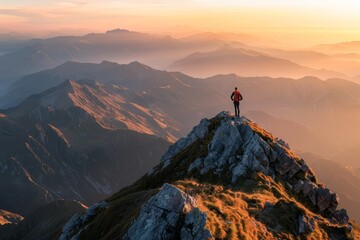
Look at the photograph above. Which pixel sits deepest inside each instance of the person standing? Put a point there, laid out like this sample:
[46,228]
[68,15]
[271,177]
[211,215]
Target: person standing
[236,97]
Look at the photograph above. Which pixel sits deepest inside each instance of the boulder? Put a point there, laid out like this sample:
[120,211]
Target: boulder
[305,168]
[194,226]
[79,220]
[341,216]
[313,196]
[305,225]
[284,163]
[324,198]
[308,187]
[334,203]
[299,186]
[161,216]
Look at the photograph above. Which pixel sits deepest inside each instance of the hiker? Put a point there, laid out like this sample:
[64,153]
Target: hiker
[236,98]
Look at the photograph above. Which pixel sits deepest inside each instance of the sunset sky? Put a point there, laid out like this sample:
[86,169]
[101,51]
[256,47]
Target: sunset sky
[318,20]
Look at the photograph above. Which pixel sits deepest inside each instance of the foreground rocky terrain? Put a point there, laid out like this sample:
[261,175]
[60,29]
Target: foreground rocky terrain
[228,179]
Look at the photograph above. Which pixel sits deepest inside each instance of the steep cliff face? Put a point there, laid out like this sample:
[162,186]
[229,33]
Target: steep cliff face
[228,179]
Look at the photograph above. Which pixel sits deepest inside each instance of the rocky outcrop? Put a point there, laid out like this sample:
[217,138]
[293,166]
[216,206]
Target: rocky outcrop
[227,179]
[170,214]
[79,220]
[198,132]
[239,147]
[305,224]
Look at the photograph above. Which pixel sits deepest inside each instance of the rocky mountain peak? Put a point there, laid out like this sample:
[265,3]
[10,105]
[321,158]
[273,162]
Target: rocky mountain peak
[231,149]
[228,178]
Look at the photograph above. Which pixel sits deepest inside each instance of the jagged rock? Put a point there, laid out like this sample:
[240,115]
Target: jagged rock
[305,225]
[195,165]
[161,215]
[283,143]
[295,168]
[341,216]
[198,132]
[194,227]
[324,198]
[299,186]
[305,168]
[79,220]
[308,187]
[224,144]
[285,162]
[313,196]
[334,203]
[237,148]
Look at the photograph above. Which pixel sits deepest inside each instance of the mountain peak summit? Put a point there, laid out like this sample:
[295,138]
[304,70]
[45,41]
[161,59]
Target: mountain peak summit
[227,177]
[231,149]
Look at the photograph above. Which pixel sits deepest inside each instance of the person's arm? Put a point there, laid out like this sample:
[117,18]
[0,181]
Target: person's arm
[232,95]
[241,97]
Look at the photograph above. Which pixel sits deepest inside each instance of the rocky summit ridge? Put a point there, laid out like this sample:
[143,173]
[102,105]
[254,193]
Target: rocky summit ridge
[227,179]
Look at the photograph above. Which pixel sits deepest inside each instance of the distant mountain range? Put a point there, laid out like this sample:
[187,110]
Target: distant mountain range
[243,62]
[116,45]
[160,51]
[181,100]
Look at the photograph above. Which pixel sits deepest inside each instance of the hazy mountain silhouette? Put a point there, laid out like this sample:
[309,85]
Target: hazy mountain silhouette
[116,45]
[348,64]
[298,136]
[339,48]
[243,62]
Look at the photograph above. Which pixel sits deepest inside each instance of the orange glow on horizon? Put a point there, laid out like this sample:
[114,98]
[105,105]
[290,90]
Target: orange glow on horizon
[301,22]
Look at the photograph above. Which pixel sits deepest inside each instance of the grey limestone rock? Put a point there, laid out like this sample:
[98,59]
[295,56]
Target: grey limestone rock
[161,216]
[308,187]
[194,227]
[324,198]
[299,186]
[305,225]
[199,131]
[341,216]
[73,227]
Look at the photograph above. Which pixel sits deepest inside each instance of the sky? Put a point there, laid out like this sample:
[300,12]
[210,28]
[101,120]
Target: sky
[315,20]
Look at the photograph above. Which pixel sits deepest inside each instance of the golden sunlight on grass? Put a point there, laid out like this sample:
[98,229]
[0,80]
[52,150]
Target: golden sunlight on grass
[266,212]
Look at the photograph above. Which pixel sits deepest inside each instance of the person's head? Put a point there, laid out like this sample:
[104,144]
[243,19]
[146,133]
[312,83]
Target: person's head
[235,88]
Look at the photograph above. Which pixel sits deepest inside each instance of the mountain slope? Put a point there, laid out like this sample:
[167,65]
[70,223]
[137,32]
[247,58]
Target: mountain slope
[9,218]
[134,76]
[228,179]
[36,225]
[318,105]
[338,178]
[60,144]
[243,62]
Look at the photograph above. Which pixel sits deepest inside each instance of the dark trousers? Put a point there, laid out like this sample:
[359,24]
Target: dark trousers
[237,109]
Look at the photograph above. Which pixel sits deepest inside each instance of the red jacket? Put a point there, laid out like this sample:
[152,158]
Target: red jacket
[236,96]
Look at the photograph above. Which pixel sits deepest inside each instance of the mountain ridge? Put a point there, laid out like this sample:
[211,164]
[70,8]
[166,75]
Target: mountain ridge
[57,145]
[226,176]
[244,62]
